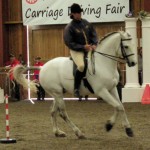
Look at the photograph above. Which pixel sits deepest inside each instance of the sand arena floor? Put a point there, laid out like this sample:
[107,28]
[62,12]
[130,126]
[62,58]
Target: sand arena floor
[31,126]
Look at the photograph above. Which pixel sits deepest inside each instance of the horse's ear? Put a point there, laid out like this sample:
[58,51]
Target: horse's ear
[122,33]
[128,34]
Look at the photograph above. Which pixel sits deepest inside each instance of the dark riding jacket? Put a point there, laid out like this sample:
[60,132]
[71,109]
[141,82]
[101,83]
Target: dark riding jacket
[78,33]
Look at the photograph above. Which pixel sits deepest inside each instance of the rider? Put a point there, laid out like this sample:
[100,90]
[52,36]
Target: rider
[80,37]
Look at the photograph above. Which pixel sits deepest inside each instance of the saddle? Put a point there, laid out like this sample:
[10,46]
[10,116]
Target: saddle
[84,78]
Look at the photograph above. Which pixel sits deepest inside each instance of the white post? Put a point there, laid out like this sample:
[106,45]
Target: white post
[146,50]
[132,91]
[132,72]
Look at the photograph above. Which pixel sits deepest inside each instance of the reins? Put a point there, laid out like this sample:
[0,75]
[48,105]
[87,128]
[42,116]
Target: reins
[111,57]
[121,60]
[105,55]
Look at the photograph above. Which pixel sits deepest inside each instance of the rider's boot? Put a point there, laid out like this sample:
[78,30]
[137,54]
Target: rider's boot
[77,82]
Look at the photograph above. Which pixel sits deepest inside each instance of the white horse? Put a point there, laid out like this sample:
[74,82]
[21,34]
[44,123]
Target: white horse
[57,75]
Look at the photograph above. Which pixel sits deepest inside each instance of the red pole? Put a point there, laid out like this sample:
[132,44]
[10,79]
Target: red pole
[7,118]
[7,140]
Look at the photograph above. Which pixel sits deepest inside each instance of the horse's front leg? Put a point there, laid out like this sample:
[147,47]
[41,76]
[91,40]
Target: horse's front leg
[125,121]
[64,115]
[114,117]
[114,101]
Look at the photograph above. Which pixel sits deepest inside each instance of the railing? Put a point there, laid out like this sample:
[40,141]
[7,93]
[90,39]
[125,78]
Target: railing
[5,83]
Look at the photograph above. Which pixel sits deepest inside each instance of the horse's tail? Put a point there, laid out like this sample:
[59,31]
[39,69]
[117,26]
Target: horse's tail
[20,78]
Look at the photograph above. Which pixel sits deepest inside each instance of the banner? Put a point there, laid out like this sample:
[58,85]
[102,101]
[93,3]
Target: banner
[46,12]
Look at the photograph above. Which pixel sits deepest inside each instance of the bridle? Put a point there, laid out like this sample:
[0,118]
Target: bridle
[124,59]
[125,56]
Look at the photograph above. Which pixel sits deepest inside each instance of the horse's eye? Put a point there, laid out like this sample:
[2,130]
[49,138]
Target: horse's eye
[126,47]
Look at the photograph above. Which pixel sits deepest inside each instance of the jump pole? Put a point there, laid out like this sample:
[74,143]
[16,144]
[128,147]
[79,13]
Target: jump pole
[7,140]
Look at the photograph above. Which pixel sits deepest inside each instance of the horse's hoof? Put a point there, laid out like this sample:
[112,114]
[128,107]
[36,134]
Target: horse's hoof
[60,134]
[129,132]
[108,126]
[81,137]
[86,97]
[80,98]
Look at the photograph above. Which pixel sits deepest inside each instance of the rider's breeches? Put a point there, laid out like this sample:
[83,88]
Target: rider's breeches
[78,58]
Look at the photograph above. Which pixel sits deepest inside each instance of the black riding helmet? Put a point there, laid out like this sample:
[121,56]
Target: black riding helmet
[75,8]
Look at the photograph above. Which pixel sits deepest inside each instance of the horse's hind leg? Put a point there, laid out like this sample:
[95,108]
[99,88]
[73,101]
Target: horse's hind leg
[64,115]
[56,130]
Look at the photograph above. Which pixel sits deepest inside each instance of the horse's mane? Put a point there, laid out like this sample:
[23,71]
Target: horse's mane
[107,35]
